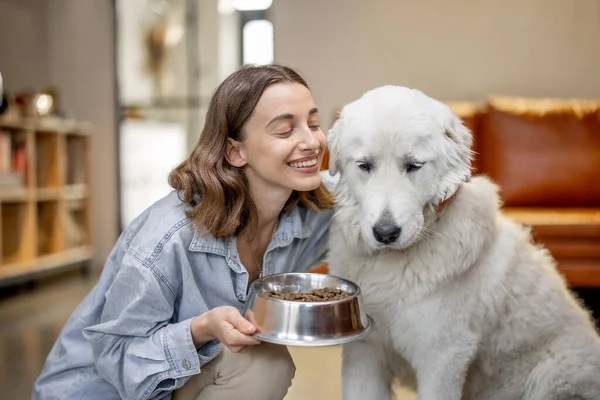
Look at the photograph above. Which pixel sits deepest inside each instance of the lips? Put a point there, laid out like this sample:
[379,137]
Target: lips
[303,164]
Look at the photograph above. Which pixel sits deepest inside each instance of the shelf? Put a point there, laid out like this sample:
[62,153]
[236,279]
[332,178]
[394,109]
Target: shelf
[45,210]
[77,155]
[75,192]
[76,223]
[14,195]
[21,271]
[69,192]
[15,238]
[47,124]
[47,161]
[49,228]
[48,193]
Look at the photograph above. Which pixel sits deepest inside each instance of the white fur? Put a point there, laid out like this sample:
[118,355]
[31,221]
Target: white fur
[465,306]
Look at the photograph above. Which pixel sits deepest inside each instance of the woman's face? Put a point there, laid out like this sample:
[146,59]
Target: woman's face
[282,143]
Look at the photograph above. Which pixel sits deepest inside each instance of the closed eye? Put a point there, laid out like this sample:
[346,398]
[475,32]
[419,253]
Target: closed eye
[365,166]
[413,166]
[285,134]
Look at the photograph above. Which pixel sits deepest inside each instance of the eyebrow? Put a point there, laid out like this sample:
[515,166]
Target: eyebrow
[284,117]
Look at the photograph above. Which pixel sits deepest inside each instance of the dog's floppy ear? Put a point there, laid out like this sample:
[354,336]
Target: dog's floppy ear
[461,139]
[333,143]
[458,133]
[460,155]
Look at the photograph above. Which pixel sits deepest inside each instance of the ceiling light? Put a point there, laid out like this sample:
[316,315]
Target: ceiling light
[251,5]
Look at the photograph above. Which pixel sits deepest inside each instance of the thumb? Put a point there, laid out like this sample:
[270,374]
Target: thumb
[240,323]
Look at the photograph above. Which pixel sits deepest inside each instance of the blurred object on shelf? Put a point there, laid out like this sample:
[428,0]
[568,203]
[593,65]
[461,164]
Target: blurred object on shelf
[163,32]
[13,161]
[24,101]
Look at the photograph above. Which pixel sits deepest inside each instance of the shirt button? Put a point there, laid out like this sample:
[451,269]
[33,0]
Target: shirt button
[186,364]
[239,296]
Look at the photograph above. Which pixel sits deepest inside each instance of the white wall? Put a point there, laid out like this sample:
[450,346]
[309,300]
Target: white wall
[70,44]
[453,50]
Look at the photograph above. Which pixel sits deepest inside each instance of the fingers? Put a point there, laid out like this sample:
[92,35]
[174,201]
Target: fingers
[240,323]
[250,317]
[236,338]
[234,330]
[237,342]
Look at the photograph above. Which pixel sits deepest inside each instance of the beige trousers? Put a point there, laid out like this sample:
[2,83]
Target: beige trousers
[265,372]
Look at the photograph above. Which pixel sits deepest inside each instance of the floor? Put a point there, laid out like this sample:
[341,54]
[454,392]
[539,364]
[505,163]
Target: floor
[325,371]
[31,319]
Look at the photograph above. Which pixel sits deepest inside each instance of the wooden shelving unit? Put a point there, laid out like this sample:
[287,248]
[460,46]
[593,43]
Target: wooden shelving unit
[46,222]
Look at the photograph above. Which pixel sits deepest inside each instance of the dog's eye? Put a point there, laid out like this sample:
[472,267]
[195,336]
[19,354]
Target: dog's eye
[365,166]
[411,167]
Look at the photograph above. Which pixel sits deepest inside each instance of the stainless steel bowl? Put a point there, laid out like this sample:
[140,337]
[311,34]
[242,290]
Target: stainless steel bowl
[297,323]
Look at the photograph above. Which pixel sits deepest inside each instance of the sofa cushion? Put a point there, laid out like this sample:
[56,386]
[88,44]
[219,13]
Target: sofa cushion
[542,153]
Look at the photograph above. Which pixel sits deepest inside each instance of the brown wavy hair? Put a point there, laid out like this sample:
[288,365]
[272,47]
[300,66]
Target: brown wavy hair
[218,193]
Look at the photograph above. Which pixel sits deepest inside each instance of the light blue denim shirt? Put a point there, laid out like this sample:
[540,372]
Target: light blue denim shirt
[130,337]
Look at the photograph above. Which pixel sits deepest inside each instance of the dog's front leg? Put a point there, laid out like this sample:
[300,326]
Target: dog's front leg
[442,374]
[364,372]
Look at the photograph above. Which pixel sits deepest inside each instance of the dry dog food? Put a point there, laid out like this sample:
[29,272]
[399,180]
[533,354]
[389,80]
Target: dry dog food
[315,295]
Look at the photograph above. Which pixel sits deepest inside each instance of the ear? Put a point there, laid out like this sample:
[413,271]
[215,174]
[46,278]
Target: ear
[333,144]
[458,133]
[459,141]
[233,153]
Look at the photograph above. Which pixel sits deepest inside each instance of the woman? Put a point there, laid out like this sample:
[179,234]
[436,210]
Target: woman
[248,201]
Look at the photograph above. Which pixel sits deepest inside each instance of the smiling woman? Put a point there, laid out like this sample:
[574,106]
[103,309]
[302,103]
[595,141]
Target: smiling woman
[271,148]
[249,200]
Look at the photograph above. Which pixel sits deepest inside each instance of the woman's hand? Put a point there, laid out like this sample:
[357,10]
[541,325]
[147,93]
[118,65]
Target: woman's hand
[226,324]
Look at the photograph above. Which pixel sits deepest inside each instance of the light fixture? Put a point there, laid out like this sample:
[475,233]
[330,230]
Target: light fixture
[43,104]
[251,5]
[226,7]
[258,42]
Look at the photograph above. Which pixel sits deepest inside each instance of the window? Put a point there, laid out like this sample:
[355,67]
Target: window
[257,42]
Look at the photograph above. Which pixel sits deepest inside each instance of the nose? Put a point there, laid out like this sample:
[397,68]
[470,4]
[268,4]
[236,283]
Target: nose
[310,141]
[386,232]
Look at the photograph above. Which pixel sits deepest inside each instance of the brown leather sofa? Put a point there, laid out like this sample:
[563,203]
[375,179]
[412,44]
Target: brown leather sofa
[545,156]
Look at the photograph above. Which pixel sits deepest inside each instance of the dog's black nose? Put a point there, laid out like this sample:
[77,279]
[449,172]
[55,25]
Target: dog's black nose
[386,232]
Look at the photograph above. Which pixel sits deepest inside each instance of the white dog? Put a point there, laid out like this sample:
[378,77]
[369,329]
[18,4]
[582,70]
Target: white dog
[465,306]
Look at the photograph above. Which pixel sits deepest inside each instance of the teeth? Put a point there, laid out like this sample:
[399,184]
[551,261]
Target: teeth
[308,163]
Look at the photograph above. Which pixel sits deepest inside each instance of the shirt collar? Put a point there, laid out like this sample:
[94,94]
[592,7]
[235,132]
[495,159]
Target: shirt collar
[291,226]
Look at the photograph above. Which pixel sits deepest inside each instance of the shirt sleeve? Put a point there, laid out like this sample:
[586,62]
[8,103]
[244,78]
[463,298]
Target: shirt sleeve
[138,349]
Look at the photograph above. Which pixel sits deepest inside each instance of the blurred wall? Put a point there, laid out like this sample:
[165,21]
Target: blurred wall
[70,44]
[23,44]
[452,50]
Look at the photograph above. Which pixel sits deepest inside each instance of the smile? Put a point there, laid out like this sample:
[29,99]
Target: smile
[303,164]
